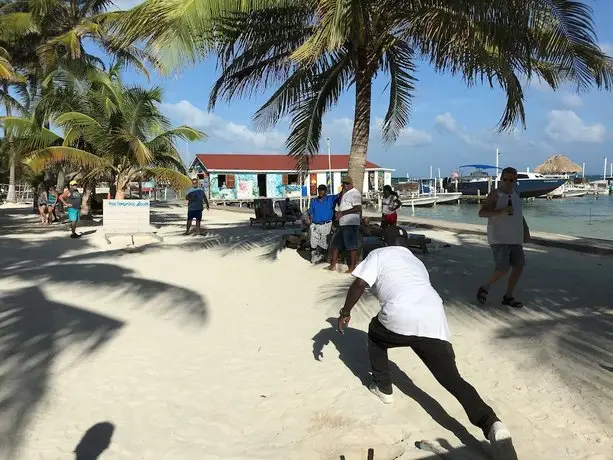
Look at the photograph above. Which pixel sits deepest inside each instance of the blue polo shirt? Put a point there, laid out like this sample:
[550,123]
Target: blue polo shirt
[322,210]
[196,198]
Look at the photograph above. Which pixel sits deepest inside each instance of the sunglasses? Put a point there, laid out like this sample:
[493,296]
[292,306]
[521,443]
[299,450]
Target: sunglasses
[507,179]
[346,183]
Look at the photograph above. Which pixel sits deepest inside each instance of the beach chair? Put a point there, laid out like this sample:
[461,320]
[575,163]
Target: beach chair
[410,240]
[265,214]
[289,214]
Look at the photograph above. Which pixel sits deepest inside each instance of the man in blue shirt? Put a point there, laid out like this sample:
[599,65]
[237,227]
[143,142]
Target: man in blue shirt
[196,199]
[321,213]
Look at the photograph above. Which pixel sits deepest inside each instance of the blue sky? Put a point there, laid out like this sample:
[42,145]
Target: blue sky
[451,125]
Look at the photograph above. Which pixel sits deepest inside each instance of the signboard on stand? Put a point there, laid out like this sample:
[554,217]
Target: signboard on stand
[126,217]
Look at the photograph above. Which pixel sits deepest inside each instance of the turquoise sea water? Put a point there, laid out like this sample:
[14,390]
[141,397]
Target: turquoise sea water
[586,216]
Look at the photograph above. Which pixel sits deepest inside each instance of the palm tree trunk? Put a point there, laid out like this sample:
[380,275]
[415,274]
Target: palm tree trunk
[61,179]
[11,195]
[86,203]
[361,124]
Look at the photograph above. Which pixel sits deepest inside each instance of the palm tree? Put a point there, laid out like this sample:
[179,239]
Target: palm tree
[52,32]
[315,54]
[315,50]
[43,36]
[111,133]
[9,79]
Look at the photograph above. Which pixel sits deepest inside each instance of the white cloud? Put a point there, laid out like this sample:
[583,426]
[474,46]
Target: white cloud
[408,136]
[447,122]
[566,126]
[342,127]
[607,48]
[214,126]
[572,100]
[412,137]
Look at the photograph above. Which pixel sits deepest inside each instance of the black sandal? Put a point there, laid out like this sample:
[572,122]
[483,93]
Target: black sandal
[482,295]
[511,302]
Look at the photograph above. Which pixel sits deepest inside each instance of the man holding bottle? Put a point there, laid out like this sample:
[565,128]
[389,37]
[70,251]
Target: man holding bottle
[507,230]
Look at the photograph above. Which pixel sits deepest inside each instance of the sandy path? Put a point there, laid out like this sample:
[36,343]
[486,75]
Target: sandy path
[204,348]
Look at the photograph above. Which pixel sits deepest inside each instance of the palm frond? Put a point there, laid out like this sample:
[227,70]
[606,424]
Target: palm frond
[177,180]
[141,153]
[307,115]
[77,120]
[39,159]
[402,86]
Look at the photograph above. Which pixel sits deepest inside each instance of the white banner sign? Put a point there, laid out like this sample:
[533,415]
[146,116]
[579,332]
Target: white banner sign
[126,216]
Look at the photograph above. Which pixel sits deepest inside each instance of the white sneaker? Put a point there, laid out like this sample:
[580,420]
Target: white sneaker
[501,442]
[385,398]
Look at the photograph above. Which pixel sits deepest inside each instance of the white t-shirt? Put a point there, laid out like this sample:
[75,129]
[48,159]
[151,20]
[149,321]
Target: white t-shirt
[409,303]
[505,229]
[387,204]
[350,199]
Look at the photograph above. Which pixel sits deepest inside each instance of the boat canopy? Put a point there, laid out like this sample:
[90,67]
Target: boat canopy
[479,166]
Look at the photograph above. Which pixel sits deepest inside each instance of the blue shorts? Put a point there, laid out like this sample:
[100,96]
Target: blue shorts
[191,215]
[346,238]
[73,214]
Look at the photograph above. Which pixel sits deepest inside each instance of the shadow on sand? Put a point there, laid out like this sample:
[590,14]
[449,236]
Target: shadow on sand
[34,330]
[95,441]
[567,322]
[352,347]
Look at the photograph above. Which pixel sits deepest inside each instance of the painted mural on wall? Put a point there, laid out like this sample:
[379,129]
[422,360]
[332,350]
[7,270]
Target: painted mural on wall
[274,185]
[245,187]
[234,186]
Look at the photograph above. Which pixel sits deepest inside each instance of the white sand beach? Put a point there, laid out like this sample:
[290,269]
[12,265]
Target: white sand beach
[220,347]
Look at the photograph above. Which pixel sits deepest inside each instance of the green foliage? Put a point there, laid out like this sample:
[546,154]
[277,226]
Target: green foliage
[111,132]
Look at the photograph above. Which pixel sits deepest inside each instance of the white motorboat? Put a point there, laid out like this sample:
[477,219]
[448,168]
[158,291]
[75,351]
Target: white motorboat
[418,201]
[448,197]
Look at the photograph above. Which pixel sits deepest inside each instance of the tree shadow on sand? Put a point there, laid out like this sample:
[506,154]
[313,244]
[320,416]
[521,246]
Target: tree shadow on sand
[352,347]
[34,330]
[567,322]
[33,333]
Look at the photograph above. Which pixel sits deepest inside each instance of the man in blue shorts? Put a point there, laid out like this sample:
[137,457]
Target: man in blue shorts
[72,202]
[196,199]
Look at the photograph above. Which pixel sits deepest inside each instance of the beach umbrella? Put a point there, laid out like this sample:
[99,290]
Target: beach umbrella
[558,164]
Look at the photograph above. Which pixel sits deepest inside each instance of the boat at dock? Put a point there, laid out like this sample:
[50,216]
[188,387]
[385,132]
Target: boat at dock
[420,192]
[418,201]
[479,182]
[446,197]
[573,187]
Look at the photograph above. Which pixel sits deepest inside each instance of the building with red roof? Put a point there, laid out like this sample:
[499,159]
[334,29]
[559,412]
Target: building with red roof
[229,176]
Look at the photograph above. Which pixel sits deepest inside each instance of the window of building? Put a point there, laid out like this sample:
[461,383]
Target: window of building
[227,180]
[221,180]
[291,179]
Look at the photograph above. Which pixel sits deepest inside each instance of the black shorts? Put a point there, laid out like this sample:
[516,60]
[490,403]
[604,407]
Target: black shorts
[191,215]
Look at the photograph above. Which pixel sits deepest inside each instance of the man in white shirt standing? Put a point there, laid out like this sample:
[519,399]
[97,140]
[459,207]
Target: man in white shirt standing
[412,315]
[507,230]
[348,215]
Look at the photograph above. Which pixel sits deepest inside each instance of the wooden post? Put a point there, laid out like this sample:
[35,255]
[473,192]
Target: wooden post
[371,454]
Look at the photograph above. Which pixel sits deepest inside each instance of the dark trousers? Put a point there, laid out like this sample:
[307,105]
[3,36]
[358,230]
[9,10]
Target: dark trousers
[439,358]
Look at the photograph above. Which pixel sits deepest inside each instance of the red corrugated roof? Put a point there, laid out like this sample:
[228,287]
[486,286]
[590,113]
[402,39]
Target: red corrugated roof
[237,162]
